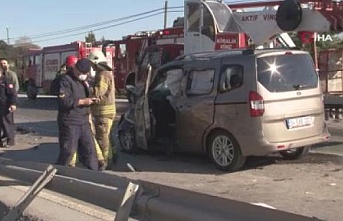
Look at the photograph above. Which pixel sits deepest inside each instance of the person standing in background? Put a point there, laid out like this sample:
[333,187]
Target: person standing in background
[8,118]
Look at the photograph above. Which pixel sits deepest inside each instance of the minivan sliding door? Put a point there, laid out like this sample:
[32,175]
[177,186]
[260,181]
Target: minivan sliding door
[194,112]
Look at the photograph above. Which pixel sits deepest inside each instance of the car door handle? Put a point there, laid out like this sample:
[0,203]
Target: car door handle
[179,107]
[183,107]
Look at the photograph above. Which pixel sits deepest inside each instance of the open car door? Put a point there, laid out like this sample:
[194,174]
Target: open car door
[142,115]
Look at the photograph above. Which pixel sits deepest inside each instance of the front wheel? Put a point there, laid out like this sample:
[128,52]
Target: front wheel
[127,139]
[295,153]
[225,152]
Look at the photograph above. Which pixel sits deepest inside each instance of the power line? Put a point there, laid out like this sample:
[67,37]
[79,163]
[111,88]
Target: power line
[60,32]
[106,27]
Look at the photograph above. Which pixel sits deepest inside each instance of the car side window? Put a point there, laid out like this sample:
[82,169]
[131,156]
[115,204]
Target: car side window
[231,78]
[200,82]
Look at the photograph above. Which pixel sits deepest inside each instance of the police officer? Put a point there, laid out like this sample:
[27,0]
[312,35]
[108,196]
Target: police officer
[8,119]
[7,105]
[70,62]
[73,117]
[104,110]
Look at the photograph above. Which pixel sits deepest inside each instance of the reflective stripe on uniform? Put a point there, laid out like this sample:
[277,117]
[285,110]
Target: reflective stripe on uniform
[103,85]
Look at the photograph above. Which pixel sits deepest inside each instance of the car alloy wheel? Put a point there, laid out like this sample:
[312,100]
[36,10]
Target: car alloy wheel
[225,151]
[127,140]
[222,150]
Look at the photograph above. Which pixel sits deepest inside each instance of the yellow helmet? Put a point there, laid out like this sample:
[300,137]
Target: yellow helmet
[96,57]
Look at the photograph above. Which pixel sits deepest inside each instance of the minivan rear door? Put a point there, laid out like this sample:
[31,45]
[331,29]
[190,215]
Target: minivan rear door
[289,86]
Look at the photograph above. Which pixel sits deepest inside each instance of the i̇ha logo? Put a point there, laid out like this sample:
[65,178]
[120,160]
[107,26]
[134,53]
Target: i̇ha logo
[310,37]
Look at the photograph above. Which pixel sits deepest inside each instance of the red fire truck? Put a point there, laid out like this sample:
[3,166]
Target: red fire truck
[41,66]
[140,47]
[126,51]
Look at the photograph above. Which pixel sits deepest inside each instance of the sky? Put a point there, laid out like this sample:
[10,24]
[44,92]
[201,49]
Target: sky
[41,20]
[33,18]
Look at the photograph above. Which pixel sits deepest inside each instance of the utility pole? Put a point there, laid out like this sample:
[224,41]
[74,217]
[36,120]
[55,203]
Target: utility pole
[8,35]
[165,13]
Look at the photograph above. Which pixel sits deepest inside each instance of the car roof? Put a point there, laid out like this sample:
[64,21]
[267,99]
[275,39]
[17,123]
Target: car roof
[238,52]
[208,55]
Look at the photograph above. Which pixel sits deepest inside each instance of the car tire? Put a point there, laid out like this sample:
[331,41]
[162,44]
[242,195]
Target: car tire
[127,140]
[225,152]
[295,153]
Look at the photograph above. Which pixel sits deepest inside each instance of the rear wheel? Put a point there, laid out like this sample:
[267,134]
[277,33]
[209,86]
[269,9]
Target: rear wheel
[225,151]
[295,153]
[127,140]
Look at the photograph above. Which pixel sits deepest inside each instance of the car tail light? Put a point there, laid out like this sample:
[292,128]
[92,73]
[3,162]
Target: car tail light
[256,104]
[281,146]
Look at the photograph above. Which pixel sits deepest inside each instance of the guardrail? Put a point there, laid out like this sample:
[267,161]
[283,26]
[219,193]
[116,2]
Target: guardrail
[152,202]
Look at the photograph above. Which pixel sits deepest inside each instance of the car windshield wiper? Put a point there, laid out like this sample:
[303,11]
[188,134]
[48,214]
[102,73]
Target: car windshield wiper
[299,86]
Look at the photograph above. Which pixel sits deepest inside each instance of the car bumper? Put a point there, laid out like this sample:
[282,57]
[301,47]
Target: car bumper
[263,147]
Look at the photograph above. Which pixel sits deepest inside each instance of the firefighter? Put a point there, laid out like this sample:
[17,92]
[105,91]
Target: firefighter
[7,105]
[73,117]
[8,119]
[104,110]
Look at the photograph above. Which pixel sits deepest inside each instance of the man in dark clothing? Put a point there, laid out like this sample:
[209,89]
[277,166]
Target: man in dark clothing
[7,105]
[12,78]
[73,117]
[55,84]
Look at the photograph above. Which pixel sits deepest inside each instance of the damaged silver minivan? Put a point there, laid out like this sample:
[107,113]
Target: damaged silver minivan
[230,105]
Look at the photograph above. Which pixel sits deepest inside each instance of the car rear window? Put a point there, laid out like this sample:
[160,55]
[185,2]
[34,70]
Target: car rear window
[287,72]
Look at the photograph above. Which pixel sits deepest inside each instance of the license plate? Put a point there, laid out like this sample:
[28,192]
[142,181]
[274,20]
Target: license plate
[299,122]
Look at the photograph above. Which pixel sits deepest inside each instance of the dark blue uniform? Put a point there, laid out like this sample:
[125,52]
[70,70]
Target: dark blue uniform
[7,98]
[74,129]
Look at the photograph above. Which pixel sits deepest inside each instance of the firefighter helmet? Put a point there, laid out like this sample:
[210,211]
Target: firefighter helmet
[97,57]
[71,61]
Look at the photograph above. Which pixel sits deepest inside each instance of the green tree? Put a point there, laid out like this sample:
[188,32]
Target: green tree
[90,38]
[15,53]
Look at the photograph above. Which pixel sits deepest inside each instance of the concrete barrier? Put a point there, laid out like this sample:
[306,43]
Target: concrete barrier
[155,202]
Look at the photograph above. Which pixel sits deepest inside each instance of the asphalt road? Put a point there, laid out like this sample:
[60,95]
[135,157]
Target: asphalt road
[37,130]
[317,178]
[40,116]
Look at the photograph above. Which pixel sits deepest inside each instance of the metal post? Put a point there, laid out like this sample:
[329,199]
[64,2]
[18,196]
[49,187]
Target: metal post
[315,54]
[8,35]
[124,210]
[30,195]
[165,13]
